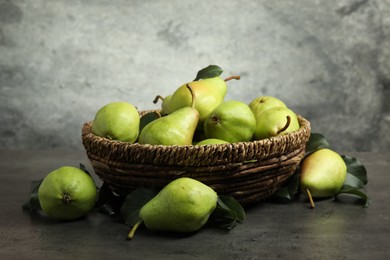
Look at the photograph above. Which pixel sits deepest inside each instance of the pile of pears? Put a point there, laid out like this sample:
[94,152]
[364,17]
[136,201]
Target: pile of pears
[196,113]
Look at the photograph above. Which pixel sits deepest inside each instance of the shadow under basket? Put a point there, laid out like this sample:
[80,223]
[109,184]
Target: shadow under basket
[248,171]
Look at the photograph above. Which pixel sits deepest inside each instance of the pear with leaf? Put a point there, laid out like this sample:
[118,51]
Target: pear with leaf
[177,128]
[322,174]
[183,205]
[210,90]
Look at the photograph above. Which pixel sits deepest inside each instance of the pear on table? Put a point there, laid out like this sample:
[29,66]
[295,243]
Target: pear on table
[322,174]
[183,205]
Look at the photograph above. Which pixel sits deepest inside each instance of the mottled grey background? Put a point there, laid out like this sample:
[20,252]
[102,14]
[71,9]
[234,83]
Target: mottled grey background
[60,61]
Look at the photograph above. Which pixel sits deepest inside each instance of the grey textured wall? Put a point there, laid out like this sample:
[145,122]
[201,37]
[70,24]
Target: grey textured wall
[62,60]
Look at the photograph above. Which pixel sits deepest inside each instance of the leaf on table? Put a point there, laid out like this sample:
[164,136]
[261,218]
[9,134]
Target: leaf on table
[356,168]
[32,204]
[346,189]
[356,179]
[289,189]
[107,202]
[210,71]
[228,212]
[134,202]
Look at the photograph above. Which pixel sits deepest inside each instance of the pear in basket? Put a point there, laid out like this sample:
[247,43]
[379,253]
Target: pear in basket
[262,103]
[117,121]
[275,121]
[177,128]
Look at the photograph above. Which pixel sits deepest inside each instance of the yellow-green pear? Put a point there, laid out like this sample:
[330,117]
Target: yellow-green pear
[275,121]
[232,121]
[322,174]
[117,121]
[209,93]
[176,128]
[262,103]
[184,205]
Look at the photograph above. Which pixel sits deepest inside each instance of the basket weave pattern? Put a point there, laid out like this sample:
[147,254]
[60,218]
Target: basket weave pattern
[248,171]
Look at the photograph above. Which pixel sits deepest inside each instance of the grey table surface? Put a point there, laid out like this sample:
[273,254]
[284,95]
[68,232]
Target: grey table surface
[339,229]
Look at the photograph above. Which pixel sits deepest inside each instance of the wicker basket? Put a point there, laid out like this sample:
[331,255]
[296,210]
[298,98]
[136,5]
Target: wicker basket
[248,171]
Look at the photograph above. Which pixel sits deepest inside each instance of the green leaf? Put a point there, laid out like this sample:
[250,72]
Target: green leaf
[352,190]
[210,71]
[287,192]
[316,141]
[228,212]
[147,118]
[107,202]
[32,204]
[356,168]
[133,204]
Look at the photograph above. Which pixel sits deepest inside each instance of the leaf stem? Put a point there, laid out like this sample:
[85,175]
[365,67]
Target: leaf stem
[310,198]
[133,229]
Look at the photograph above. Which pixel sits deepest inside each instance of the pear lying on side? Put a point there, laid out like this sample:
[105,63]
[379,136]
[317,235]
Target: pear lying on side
[275,121]
[177,128]
[322,174]
[184,205]
[209,94]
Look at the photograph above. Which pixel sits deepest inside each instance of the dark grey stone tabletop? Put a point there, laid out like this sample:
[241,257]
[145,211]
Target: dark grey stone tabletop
[339,229]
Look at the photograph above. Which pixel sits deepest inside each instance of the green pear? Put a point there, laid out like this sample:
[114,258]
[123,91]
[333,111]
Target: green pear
[322,174]
[184,205]
[232,121]
[275,121]
[165,105]
[262,103]
[176,128]
[209,93]
[211,141]
[117,121]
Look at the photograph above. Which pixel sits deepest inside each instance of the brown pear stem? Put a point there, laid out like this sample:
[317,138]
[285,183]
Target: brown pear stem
[232,77]
[192,95]
[157,98]
[133,229]
[310,198]
[286,126]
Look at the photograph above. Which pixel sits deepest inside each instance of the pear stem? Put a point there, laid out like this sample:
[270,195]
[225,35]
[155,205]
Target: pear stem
[192,94]
[157,98]
[310,198]
[286,126]
[232,77]
[133,229]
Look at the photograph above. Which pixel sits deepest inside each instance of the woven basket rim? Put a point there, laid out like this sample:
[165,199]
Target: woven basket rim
[87,127]
[237,152]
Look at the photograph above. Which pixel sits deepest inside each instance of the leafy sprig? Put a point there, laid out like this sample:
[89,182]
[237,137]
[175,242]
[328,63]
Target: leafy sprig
[355,181]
